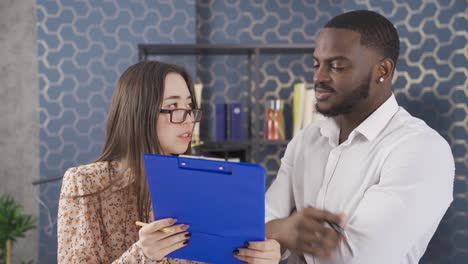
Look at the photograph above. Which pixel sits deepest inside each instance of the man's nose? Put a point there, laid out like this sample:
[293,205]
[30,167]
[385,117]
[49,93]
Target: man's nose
[321,75]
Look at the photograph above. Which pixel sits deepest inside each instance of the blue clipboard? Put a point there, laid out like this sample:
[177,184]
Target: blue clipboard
[222,202]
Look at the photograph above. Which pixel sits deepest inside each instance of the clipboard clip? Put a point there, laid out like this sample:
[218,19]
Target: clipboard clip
[205,165]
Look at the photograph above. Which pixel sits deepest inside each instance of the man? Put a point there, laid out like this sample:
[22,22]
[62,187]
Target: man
[371,169]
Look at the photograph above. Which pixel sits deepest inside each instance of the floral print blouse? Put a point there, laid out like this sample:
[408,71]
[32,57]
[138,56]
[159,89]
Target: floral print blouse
[99,228]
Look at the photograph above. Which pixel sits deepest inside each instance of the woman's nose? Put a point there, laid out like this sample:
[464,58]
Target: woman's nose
[189,118]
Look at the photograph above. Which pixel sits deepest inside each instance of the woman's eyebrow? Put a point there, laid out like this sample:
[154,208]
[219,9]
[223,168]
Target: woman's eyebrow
[172,97]
[176,97]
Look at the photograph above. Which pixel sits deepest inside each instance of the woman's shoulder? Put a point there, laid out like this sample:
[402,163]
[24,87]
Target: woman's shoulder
[89,178]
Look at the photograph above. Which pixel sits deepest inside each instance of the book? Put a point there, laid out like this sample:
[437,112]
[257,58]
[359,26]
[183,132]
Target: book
[304,109]
[309,107]
[219,125]
[234,124]
[198,87]
[298,107]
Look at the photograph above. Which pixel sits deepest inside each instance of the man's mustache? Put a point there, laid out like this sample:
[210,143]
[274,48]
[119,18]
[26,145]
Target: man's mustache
[324,87]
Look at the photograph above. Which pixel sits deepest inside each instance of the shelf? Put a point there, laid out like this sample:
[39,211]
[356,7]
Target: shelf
[226,146]
[274,142]
[220,49]
[247,150]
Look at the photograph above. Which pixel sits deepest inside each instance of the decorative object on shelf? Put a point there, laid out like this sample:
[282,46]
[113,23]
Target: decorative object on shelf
[198,87]
[304,111]
[13,224]
[274,120]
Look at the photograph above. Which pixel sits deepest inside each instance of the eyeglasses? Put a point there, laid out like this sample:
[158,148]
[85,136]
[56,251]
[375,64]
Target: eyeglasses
[178,116]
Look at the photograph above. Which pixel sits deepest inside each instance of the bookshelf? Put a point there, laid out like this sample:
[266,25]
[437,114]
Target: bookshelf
[248,149]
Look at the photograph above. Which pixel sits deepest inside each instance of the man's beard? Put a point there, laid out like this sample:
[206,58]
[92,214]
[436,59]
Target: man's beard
[349,101]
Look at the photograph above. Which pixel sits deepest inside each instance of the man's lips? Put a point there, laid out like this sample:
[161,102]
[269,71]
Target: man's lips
[323,93]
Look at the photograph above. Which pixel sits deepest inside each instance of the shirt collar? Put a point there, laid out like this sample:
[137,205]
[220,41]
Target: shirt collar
[330,129]
[377,121]
[369,128]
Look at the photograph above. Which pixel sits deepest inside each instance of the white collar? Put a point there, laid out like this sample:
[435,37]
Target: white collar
[369,128]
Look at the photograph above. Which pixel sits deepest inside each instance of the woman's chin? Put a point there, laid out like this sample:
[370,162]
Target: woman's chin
[179,150]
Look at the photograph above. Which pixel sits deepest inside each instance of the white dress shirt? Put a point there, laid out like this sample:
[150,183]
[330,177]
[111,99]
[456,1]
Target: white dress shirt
[392,178]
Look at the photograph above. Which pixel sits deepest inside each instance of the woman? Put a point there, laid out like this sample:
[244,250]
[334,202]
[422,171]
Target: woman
[152,111]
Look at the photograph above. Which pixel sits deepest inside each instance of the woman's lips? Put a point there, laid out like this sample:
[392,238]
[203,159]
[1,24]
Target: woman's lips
[187,136]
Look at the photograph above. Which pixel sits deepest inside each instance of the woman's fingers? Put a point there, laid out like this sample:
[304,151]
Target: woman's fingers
[172,230]
[173,247]
[267,245]
[155,237]
[260,252]
[157,225]
[157,249]
[174,239]
[176,229]
[246,252]
[252,260]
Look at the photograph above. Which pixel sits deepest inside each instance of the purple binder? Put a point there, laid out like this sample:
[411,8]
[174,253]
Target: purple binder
[219,122]
[235,122]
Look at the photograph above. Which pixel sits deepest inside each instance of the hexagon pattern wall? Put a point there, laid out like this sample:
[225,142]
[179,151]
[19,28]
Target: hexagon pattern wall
[430,81]
[83,46]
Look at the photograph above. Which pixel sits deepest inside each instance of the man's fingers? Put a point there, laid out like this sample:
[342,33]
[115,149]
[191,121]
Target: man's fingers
[322,215]
[326,237]
[158,225]
[315,249]
[308,225]
[322,245]
[320,233]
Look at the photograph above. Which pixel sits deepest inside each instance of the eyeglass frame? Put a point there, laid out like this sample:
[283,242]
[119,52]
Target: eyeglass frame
[187,111]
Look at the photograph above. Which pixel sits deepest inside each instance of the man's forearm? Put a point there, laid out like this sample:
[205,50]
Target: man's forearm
[275,230]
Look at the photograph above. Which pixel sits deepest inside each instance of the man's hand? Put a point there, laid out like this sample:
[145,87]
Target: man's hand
[306,232]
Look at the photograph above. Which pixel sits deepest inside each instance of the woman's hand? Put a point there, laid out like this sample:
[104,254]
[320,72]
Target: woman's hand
[156,243]
[261,252]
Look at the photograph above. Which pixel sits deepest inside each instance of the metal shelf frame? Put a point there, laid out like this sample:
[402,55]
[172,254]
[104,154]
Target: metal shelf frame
[253,51]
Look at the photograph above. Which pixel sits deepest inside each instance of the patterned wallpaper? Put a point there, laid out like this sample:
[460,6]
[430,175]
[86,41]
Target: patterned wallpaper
[83,46]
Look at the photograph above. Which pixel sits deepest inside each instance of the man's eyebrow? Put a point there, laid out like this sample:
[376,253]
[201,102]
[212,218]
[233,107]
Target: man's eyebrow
[334,58]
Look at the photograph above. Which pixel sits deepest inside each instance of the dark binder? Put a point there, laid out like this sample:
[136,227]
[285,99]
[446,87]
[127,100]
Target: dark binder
[220,122]
[223,202]
[234,112]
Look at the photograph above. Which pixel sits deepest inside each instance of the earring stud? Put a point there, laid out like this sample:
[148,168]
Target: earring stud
[381,79]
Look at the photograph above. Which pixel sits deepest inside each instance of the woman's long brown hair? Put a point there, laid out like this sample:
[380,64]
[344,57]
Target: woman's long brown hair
[131,121]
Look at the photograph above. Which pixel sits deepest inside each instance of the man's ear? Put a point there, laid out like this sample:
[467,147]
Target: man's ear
[385,70]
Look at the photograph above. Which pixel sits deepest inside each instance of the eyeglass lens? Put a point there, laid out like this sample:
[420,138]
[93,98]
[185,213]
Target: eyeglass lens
[179,115]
